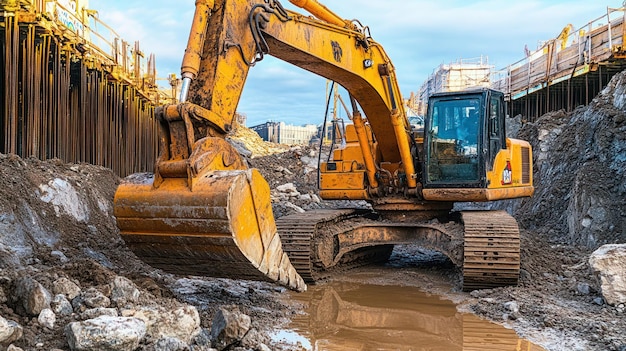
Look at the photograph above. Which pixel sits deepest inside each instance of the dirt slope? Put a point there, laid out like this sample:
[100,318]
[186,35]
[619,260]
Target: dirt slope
[580,171]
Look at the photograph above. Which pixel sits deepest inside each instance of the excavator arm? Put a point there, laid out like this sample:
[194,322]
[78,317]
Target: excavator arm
[203,212]
[240,33]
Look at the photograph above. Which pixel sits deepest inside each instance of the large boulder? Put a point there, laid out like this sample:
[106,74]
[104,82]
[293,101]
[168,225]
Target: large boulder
[609,266]
[66,287]
[170,344]
[123,291]
[229,328]
[47,318]
[31,297]
[90,298]
[61,306]
[97,312]
[182,323]
[106,333]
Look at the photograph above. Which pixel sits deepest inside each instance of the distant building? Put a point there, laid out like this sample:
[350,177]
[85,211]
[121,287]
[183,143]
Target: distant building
[282,133]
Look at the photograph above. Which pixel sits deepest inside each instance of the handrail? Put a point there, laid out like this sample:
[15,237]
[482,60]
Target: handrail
[99,38]
[580,36]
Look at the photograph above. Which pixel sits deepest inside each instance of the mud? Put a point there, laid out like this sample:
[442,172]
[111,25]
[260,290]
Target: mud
[366,315]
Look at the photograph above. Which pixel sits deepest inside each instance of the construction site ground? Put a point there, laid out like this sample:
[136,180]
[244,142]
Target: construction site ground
[56,220]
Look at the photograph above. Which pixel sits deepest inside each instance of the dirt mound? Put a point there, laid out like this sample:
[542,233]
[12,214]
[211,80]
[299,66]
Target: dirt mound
[51,209]
[56,221]
[580,171]
[250,144]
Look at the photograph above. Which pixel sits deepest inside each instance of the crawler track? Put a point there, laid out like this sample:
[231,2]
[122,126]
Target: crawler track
[491,255]
[491,249]
[296,233]
[300,235]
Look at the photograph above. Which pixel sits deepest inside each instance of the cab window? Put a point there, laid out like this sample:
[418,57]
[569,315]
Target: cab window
[453,141]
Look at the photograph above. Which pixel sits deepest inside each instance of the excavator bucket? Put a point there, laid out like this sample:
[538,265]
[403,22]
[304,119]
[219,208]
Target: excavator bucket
[221,225]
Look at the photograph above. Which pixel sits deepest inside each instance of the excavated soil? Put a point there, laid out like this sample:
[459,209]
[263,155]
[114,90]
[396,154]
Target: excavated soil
[580,204]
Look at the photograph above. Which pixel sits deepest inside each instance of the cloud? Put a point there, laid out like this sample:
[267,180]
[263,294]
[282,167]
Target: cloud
[277,91]
[161,27]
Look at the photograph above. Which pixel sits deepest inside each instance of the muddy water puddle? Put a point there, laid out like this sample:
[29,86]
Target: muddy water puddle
[363,316]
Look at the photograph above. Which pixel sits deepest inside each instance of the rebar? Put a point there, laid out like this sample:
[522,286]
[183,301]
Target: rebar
[57,103]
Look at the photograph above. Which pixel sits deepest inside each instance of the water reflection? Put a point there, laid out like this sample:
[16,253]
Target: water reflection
[349,316]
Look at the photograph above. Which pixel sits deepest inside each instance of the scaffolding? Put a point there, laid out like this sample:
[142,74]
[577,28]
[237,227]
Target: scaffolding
[455,76]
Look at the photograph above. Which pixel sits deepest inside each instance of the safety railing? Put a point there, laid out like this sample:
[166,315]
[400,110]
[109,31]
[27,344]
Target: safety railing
[568,55]
[98,37]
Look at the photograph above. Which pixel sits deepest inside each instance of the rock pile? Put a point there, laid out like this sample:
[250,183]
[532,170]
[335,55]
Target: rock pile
[580,171]
[114,316]
[10,332]
[250,144]
[68,282]
[609,266]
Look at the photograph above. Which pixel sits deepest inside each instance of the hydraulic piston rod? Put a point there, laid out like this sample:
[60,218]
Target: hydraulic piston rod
[193,53]
[320,11]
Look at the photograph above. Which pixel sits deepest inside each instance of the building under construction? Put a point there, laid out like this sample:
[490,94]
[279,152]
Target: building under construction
[569,70]
[455,76]
[71,88]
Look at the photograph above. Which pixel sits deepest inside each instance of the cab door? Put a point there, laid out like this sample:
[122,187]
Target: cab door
[495,126]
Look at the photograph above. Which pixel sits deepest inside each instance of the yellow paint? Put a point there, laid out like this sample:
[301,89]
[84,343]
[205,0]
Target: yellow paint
[513,155]
[400,127]
[351,179]
[564,35]
[478,194]
[320,11]
[344,194]
[242,215]
[193,54]
[351,152]
[366,150]
[220,207]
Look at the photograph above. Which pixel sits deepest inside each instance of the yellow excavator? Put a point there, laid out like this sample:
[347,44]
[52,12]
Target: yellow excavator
[204,212]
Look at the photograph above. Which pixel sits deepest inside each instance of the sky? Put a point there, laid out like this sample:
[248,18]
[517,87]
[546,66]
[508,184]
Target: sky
[418,36]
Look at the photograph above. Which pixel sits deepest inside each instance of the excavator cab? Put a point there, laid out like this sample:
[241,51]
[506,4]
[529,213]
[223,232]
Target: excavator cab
[466,148]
